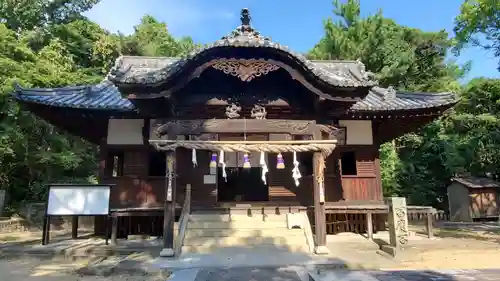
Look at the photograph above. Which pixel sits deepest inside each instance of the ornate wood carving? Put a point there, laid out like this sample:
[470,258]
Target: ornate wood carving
[338,133]
[233,111]
[276,64]
[214,126]
[245,69]
[258,112]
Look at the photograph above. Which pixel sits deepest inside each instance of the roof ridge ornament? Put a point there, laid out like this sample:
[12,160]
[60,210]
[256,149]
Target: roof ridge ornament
[245,17]
[390,93]
[245,29]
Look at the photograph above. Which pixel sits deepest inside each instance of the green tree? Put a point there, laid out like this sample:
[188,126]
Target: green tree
[22,15]
[479,24]
[409,59]
[48,43]
[33,152]
[399,56]
[151,38]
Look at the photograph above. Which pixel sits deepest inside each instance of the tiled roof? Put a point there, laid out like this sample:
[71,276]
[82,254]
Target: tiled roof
[151,70]
[385,99]
[473,182]
[106,96]
[141,70]
[103,96]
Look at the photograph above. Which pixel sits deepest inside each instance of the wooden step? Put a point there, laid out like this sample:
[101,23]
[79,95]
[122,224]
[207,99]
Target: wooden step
[237,225]
[249,232]
[207,249]
[245,241]
[228,218]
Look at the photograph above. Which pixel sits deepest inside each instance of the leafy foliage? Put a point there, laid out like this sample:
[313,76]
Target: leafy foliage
[23,15]
[479,25]
[151,38]
[419,166]
[50,44]
[399,56]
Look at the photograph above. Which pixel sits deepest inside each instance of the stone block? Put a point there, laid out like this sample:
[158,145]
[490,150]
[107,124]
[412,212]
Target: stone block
[398,222]
[294,220]
[167,252]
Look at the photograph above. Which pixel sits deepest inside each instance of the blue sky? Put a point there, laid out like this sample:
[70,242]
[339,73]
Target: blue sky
[297,24]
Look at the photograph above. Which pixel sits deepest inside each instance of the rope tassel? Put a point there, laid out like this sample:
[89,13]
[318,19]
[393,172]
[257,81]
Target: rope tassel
[264,166]
[193,157]
[221,162]
[295,171]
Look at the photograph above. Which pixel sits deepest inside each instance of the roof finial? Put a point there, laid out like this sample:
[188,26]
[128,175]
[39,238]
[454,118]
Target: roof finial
[245,17]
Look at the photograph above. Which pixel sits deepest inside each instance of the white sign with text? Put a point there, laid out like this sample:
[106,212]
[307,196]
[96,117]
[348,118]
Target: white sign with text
[69,200]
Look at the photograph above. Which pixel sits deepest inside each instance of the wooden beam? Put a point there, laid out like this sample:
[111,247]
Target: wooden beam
[215,126]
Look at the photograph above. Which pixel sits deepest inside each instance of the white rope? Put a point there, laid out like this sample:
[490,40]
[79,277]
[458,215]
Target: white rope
[193,157]
[265,147]
[264,166]
[295,171]
[223,165]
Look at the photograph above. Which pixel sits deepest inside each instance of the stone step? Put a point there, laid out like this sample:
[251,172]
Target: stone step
[210,249]
[228,218]
[245,241]
[250,232]
[237,225]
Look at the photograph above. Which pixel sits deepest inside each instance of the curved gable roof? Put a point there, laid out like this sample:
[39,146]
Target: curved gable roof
[153,70]
[149,71]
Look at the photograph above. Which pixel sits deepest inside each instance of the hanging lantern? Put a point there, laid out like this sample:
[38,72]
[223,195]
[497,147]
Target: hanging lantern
[246,161]
[213,160]
[280,162]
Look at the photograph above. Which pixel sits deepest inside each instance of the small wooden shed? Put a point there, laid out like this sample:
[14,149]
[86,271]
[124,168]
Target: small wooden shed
[472,198]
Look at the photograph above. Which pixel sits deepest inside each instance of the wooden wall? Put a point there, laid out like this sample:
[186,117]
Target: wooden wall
[483,203]
[467,204]
[365,185]
[135,188]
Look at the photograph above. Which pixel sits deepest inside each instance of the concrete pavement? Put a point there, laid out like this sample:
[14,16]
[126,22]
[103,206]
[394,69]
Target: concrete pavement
[301,274]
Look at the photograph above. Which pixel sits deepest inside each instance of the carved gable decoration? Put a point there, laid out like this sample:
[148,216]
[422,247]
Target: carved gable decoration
[233,111]
[245,69]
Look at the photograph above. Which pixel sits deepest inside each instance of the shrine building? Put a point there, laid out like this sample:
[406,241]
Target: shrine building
[243,126]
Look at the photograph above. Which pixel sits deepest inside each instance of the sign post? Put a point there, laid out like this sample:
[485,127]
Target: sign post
[76,200]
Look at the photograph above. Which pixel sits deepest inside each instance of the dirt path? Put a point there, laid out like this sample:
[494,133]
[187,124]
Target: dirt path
[36,270]
[473,246]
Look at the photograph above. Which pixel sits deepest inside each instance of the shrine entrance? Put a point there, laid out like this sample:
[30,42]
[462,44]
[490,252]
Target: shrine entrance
[242,183]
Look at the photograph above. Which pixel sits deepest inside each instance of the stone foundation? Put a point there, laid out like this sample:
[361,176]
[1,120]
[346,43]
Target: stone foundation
[32,218]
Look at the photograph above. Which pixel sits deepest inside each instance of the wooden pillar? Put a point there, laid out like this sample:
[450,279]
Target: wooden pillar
[114,229]
[46,230]
[429,226]
[319,204]
[369,225]
[74,227]
[169,210]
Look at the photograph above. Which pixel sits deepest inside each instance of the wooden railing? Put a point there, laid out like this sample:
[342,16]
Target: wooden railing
[183,221]
[417,216]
